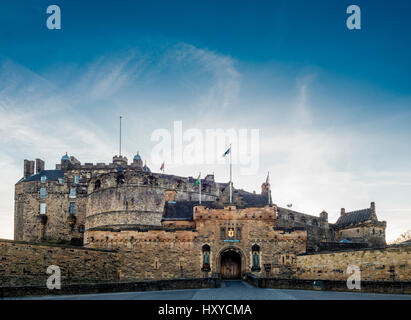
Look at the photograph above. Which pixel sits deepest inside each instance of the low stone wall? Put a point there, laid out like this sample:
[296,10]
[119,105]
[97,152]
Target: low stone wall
[104,287]
[25,264]
[385,264]
[397,287]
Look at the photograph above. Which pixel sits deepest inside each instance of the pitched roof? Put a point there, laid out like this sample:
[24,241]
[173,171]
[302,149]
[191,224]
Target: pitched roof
[354,217]
[182,210]
[52,175]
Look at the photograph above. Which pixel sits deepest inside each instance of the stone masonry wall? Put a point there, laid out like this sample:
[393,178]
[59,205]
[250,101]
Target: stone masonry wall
[176,251]
[386,264]
[139,200]
[56,224]
[25,264]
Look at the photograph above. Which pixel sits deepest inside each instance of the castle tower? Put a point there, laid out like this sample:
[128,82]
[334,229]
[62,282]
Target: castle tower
[137,162]
[120,161]
[65,161]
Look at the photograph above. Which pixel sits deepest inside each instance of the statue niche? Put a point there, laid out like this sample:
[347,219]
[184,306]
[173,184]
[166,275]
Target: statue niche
[206,258]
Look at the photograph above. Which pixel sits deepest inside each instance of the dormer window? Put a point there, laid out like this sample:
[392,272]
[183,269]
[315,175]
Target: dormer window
[72,209]
[72,193]
[76,179]
[43,179]
[43,193]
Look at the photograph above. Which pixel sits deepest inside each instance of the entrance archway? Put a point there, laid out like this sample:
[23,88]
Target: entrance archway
[230,265]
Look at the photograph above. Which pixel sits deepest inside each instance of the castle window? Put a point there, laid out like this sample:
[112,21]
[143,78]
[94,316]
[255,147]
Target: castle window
[72,208]
[81,229]
[43,193]
[97,185]
[222,233]
[43,179]
[373,231]
[156,264]
[358,230]
[42,208]
[72,193]
[238,233]
[76,179]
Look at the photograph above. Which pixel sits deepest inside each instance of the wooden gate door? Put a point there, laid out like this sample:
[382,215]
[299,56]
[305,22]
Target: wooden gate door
[231,265]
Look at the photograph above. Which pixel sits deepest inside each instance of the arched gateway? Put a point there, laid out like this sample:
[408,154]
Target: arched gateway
[230,264]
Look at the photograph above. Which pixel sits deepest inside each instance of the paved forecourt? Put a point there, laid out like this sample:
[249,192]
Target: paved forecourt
[230,290]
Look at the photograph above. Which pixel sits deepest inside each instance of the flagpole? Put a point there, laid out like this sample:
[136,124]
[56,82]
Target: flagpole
[268,188]
[120,138]
[199,185]
[231,188]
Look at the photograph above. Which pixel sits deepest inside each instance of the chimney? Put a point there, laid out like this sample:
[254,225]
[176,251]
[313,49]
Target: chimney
[39,165]
[373,207]
[342,211]
[28,168]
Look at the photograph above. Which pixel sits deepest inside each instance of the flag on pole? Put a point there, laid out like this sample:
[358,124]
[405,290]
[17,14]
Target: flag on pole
[198,180]
[267,181]
[227,152]
[231,187]
[162,167]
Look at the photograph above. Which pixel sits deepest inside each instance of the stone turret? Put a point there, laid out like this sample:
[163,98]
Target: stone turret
[120,161]
[324,215]
[65,161]
[137,161]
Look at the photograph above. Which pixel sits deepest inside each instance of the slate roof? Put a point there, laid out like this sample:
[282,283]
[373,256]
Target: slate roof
[52,175]
[354,217]
[182,210]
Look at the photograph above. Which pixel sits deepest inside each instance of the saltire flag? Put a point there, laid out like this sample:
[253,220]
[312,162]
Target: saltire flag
[198,180]
[162,167]
[227,152]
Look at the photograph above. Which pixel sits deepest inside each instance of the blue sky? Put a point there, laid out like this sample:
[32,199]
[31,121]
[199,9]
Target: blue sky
[333,105]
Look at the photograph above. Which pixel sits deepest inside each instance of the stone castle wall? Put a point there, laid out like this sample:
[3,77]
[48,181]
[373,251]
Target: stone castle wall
[176,250]
[25,264]
[318,228]
[139,200]
[374,235]
[56,224]
[385,264]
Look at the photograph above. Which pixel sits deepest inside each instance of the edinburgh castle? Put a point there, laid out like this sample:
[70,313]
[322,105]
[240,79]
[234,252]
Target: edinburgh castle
[121,222]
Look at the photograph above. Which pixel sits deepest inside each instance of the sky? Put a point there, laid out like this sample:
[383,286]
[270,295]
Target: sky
[332,105]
